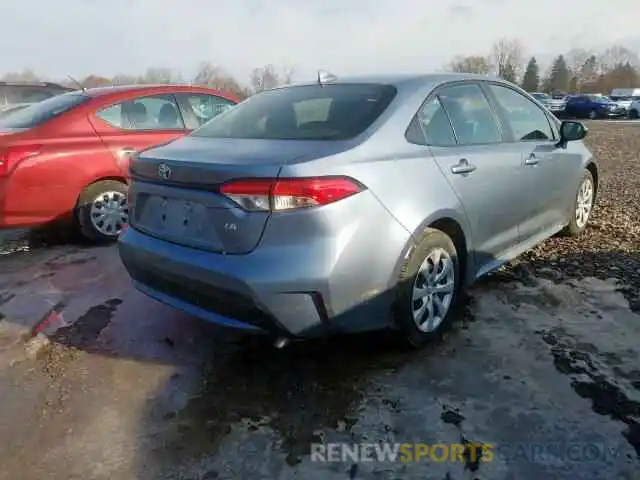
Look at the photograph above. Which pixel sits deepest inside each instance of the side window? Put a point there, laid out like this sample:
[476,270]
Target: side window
[471,115]
[198,108]
[431,126]
[526,120]
[155,112]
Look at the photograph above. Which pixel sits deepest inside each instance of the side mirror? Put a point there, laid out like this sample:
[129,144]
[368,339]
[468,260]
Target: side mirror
[571,131]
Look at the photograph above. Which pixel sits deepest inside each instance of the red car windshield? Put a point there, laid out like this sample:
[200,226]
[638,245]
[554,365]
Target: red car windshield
[40,112]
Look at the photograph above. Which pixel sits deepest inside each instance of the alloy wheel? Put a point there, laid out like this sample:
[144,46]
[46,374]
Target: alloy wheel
[584,202]
[433,290]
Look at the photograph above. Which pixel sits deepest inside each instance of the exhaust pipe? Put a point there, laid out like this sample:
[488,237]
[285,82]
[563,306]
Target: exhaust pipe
[281,342]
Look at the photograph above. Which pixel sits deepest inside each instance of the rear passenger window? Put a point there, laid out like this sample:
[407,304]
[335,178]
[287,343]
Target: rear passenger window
[471,116]
[431,126]
[155,112]
[527,121]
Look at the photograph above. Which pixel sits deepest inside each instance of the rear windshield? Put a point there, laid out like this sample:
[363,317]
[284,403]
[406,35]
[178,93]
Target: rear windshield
[40,112]
[309,112]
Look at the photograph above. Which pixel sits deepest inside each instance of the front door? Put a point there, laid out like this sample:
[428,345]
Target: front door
[548,169]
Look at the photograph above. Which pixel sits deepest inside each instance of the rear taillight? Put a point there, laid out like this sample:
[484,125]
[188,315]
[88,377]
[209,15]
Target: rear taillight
[278,194]
[10,157]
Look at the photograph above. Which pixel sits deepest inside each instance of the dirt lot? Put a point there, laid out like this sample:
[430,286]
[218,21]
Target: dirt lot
[544,367]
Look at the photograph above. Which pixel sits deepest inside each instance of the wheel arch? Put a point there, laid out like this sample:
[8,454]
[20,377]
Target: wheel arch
[453,225]
[592,166]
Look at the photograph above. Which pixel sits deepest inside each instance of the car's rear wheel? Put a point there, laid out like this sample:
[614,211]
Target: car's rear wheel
[102,211]
[427,289]
[633,114]
[582,207]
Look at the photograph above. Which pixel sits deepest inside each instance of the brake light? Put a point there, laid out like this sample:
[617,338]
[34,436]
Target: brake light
[278,194]
[10,157]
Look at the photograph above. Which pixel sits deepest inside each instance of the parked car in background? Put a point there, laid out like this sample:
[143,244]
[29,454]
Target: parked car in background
[353,204]
[625,97]
[634,110]
[543,98]
[558,103]
[15,93]
[66,158]
[593,106]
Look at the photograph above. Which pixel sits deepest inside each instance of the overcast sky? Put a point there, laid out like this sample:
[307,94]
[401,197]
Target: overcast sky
[106,37]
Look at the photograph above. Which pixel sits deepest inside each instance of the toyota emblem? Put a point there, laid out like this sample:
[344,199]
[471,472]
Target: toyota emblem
[164,171]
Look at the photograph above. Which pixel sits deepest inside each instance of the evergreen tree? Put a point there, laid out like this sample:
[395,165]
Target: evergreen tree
[560,77]
[531,79]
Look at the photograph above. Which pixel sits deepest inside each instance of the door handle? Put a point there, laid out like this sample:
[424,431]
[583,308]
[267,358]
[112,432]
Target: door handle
[532,160]
[463,166]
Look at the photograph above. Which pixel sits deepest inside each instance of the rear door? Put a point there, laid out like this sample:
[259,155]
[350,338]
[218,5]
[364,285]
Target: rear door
[139,123]
[198,108]
[485,172]
[549,170]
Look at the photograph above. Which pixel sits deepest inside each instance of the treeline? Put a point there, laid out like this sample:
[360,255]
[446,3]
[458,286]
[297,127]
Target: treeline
[208,74]
[577,70]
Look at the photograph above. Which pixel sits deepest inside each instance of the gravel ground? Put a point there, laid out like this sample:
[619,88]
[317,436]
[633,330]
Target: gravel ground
[610,248]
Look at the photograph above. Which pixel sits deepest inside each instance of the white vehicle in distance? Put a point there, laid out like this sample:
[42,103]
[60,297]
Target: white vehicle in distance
[558,103]
[625,97]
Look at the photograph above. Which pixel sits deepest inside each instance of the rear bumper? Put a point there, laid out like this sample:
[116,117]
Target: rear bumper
[334,284]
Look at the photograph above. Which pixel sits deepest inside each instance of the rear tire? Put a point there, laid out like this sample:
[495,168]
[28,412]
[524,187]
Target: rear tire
[582,206]
[593,115]
[633,114]
[102,211]
[427,289]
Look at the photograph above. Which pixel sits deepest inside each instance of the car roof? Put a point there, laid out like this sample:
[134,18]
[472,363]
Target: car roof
[406,80]
[116,89]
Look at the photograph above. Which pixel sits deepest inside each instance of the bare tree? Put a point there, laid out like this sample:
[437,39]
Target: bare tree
[507,58]
[124,79]
[216,77]
[267,77]
[26,75]
[92,81]
[470,64]
[160,75]
[618,55]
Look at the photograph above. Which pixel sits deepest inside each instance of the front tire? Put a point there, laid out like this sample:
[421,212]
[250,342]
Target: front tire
[102,211]
[633,114]
[427,290]
[582,206]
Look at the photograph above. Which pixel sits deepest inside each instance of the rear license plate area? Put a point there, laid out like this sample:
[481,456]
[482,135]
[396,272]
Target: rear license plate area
[173,216]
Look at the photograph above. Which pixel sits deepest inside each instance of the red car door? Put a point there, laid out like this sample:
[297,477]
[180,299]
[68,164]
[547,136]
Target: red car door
[138,123]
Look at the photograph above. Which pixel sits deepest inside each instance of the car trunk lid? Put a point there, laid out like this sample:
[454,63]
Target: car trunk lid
[175,190]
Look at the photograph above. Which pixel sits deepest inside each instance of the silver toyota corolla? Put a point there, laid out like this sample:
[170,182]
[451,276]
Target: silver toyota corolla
[353,204]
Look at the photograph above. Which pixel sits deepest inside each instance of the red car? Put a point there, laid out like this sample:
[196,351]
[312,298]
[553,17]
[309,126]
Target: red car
[66,158]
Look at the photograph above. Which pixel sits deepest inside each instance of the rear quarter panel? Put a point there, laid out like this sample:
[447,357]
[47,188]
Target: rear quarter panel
[405,180]
[46,187]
